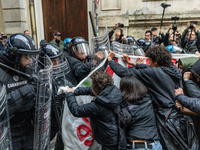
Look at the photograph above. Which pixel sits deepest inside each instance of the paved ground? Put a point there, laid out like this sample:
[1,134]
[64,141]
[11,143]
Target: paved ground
[53,143]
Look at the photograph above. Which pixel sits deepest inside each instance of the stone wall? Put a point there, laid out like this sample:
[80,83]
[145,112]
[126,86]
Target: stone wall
[140,15]
[16,16]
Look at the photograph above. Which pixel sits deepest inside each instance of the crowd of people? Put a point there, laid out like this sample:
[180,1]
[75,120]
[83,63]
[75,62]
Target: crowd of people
[156,106]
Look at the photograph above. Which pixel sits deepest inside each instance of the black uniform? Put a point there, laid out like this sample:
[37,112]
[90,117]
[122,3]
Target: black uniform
[21,99]
[20,93]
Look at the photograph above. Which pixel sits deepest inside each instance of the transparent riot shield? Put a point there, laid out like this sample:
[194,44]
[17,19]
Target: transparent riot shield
[97,60]
[43,107]
[5,135]
[120,49]
[61,76]
[100,43]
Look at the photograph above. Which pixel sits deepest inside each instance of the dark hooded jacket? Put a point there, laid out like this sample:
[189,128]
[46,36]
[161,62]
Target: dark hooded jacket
[192,87]
[175,131]
[188,62]
[102,118]
[143,124]
[192,90]
[160,81]
[192,47]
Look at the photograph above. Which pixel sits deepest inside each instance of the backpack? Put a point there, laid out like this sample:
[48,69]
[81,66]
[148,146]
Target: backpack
[124,115]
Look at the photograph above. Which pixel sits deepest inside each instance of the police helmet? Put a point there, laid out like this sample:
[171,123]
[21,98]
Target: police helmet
[50,50]
[139,42]
[131,40]
[66,42]
[79,47]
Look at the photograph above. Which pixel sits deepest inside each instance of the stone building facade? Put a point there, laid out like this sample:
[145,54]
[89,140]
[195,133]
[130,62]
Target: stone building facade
[137,15]
[140,15]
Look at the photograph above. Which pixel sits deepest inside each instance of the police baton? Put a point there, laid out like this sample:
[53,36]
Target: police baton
[92,22]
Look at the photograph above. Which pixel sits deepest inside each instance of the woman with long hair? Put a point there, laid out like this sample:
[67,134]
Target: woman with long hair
[142,132]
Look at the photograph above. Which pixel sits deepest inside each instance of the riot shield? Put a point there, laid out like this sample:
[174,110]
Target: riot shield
[100,43]
[120,49]
[98,54]
[43,107]
[61,76]
[5,135]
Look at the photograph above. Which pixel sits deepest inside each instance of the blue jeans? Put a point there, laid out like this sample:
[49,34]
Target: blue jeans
[155,146]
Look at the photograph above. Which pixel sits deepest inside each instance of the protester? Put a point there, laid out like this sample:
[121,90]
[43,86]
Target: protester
[185,64]
[142,132]
[192,104]
[103,121]
[57,41]
[161,79]
[190,39]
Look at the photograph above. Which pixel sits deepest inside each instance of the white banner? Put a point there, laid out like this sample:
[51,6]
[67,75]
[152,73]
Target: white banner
[175,58]
[76,132]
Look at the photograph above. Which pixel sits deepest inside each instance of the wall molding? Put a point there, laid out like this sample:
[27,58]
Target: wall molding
[107,5]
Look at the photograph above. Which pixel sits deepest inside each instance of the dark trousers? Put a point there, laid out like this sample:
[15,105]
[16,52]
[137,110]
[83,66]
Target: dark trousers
[24,141]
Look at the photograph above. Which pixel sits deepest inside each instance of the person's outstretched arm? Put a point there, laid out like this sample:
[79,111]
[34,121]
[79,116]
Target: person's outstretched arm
[192,104]
[87,110]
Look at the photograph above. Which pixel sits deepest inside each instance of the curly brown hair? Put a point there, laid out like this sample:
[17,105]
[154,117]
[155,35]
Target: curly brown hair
[161,55]
[101,80]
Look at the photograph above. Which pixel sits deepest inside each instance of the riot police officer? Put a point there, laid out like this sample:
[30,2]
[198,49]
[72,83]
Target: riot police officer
[17,62]
[66,47]
[82,60]
[62,76]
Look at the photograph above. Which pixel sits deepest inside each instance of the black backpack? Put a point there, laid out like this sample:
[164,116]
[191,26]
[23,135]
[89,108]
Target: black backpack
[124,116]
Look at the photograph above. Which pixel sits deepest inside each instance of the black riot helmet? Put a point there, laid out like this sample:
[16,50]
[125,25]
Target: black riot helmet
[138,51]
[21,51]
[146,45]
[21,44]
[79,48]
[140,42]
[50,50]
[131,40]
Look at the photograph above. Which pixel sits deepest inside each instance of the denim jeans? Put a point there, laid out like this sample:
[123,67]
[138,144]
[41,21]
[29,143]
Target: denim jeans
[155,146]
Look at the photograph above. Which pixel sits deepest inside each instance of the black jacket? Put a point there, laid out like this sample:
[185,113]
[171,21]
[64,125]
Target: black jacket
[143,124]
[158,40]
[160,81]
[79,69]
[192,104]
[167,42]
[192,89]
[190,48]
[102,119]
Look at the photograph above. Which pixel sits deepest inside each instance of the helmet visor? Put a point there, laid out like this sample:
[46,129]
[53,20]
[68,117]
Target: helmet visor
[81,50]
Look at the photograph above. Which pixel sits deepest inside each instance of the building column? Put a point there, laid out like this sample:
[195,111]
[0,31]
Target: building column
[39,20]
[14,16]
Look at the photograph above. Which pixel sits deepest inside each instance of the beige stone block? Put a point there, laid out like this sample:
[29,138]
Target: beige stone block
[6,4]
[15,27]
[110,21]
[110,5]
[14,15]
